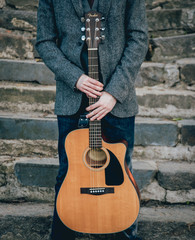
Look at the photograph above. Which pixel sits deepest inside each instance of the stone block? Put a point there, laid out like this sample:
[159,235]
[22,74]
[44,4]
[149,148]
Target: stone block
[153,97]
[144,172]
[176,176]
[25,71]
[155,132]
[32,129]
[152,74]
[153,192]
[187,70]
[147,132]
[187,132]
[169,4]
[28,148]
[32,221]
[15,46]
[172,48]
[18,20]
[182,196]
[41,173]
[23,4]
[170,223]
[27,93]
[178,153]
[2,3]
[188,20]
[164,20]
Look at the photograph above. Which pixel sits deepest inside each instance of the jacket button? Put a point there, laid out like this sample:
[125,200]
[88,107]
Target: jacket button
[82,19]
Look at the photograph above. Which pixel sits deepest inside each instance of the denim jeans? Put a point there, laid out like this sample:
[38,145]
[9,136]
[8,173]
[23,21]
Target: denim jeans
[115,129]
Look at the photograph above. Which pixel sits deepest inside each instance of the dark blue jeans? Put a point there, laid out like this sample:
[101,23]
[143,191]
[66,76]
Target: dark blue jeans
[115,129]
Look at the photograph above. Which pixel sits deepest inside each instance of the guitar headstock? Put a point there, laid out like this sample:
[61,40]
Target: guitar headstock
[93,29]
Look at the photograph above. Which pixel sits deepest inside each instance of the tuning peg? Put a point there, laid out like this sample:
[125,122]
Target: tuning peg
[82,29]
[102,18]
[103,37]
[102,29]
[83,38]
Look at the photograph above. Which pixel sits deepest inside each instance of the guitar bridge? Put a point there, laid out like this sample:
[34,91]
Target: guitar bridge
[97,191]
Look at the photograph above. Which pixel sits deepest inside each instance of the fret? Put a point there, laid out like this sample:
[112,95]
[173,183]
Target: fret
[92,49]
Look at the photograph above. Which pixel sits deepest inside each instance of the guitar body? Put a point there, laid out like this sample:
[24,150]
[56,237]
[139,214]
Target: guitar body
[94,198]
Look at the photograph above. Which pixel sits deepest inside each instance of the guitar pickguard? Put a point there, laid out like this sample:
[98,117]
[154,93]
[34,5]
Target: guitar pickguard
[114,173]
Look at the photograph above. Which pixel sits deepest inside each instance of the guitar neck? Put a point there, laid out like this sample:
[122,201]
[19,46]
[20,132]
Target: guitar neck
[95,135]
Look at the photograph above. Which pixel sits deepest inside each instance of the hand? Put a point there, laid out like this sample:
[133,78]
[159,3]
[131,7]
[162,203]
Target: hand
[91,87]
[103,106]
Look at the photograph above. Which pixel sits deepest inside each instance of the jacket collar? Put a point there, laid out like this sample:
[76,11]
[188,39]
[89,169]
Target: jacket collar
[103,7]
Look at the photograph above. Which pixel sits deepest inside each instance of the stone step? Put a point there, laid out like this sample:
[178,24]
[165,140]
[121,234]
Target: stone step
[32,221]
[33,179]
[154,101]
[165,177]
[152,73]
[48,148]
[170,22]
[148,131]
[172,48]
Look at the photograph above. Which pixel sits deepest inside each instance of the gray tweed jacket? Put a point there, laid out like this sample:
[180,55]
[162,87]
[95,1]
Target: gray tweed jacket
[121,54]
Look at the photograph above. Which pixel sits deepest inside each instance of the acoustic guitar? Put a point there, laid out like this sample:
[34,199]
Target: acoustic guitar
[99,194]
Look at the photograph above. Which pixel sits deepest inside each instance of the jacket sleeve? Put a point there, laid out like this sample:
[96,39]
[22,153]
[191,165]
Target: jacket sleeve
[46,46]
[122,81]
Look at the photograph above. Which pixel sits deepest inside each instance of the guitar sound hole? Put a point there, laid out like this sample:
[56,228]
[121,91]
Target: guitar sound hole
[96,158]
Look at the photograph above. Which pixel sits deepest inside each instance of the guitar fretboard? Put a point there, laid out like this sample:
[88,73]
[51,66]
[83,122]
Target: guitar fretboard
[95,135]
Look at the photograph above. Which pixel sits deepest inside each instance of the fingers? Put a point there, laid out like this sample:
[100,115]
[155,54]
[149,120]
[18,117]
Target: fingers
[91,92]
[89,86]
[102,107]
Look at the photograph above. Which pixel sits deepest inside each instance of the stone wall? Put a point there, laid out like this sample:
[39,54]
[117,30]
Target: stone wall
[18,19]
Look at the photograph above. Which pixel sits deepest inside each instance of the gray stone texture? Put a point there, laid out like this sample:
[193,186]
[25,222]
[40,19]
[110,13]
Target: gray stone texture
[18,20]
[187,71]
[159,20]
[188,132]
[26,93]
[153,192]
[181,196]
[155,132]
[151,74]
[178,153]
[147,131]
[32,129]
[167,4]
[43,172]
[15,46]
[28,148]
[162,98]
[144,172]
[23,4]
[25,71]
[2,3]
[31,221]
[172,48]
[176,176]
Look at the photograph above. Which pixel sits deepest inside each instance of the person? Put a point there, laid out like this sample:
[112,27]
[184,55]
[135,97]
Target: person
[60,45]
